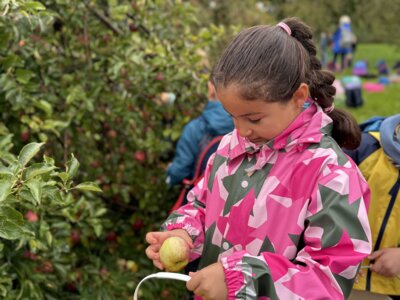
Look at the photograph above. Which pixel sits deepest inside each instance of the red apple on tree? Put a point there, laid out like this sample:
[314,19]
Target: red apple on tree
[31,216]
[75,237]
[140,156]
[25,136]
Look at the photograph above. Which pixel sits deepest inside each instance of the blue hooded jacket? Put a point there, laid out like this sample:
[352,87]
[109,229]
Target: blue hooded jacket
[213,121]
[336,47]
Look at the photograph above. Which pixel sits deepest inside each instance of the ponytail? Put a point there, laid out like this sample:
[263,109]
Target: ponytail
[345,131]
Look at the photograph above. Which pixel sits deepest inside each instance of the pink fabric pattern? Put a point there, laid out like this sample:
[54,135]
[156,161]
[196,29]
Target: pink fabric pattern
[287,219]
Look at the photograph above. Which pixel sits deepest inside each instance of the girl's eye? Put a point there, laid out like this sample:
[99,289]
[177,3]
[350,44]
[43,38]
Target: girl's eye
[254,121]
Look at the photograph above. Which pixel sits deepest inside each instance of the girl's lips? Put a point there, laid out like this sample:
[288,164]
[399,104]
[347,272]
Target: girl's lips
[256,141]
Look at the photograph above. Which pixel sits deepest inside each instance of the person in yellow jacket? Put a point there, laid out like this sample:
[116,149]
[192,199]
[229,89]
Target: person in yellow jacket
[378,158]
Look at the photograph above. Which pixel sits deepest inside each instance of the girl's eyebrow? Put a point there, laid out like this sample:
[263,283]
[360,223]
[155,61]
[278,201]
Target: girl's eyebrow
[245,115]
[250,114]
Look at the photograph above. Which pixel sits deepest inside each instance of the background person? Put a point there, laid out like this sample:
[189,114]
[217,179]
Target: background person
[196,134]
[378,158]
[342,41]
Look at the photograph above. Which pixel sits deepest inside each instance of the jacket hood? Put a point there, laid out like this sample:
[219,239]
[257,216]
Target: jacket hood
[390,138]
[218,121]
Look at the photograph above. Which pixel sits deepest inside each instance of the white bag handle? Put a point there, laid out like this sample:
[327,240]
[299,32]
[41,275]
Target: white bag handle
[161,275]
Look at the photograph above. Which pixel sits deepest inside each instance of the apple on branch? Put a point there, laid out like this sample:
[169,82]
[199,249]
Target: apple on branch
[174,254]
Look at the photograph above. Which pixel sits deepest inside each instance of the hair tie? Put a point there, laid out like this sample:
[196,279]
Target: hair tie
[329,109]
[285,27]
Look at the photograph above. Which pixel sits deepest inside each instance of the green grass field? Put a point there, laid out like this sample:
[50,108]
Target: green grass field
[376,104]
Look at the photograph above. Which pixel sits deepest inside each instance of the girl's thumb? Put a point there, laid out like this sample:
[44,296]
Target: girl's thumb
[191,274]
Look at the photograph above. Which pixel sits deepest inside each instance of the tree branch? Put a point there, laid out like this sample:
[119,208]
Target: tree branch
[104,20]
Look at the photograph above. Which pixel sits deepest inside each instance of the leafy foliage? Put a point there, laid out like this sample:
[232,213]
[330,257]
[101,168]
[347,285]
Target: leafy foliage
[87,77]
[45,223]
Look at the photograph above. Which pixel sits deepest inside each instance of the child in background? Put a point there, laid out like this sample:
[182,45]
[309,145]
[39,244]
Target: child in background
[196,134]
[378,157]
[281,211]
[342,41]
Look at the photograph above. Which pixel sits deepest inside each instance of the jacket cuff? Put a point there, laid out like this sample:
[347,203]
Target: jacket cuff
[233,273]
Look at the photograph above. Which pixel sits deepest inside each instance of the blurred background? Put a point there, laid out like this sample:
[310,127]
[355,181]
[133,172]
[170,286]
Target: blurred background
[86,134]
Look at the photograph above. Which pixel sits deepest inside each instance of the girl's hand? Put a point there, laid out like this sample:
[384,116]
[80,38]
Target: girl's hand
[157,238]
[209,283]
[386,262]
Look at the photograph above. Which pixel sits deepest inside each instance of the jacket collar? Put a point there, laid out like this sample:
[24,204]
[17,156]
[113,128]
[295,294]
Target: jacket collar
[309,127]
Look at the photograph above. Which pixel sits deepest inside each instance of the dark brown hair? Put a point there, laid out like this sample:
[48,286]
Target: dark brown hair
[267,63]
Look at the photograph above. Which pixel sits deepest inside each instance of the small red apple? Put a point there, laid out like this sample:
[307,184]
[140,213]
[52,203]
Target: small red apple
[165,294]
[30,255]
[140,156]
[137,225]
[112,134]
[25,136]
[46,267]
[111,236]
[31,216]
[71,287]
[133,27]
[104,272]
[95,164]
[159,77]
[75,237]
[21,43]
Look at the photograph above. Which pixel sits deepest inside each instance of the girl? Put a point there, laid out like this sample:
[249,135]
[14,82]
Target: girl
[281,211]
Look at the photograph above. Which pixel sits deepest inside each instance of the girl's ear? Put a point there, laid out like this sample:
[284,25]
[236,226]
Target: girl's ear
[301,95]
[212,94]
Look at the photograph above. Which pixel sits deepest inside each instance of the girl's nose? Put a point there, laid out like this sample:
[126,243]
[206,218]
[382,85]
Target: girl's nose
[244,131]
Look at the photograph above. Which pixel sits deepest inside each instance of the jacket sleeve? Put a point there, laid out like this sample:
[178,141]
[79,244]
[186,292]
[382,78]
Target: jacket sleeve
[185,156]
[335,240]
[192,215]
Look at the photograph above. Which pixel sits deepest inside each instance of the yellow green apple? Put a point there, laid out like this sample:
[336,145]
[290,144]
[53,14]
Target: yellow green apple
[174,254]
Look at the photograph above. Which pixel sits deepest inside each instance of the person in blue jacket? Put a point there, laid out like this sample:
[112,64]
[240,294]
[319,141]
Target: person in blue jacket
[342,41]
[214,121]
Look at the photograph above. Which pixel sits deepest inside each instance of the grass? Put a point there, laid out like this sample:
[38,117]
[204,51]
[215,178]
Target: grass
[385,103]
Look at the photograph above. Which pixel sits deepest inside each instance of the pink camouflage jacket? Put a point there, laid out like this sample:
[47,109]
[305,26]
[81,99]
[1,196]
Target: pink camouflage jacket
[288,219]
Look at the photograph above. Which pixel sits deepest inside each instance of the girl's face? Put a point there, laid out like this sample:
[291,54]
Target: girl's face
[257,120]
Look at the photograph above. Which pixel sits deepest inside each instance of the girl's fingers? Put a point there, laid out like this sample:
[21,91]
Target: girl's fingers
[152,237]
[152,252]
[194,283]
[158,264]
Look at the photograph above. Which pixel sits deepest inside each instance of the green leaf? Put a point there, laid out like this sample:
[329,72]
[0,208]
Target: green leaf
[63,176]
[100,212]
[28,152]
[5,171]
[26,195]
[23,76]
[45,106]
[96,226]
[49,160]
[5,189]
[6,142]
[72,167]
[88,186]
[12,224]
[35,186]
[37,169]
[34,5]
